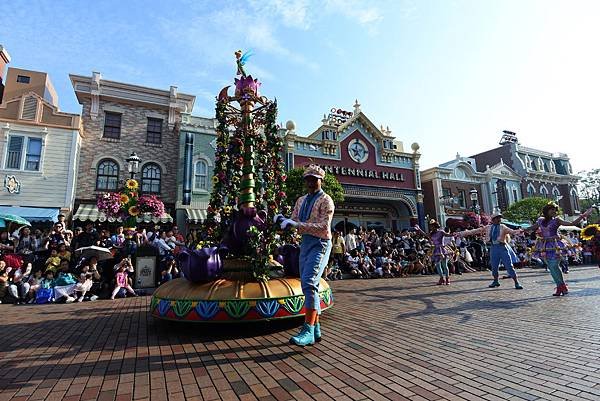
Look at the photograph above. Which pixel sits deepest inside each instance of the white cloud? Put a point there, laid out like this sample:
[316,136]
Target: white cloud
[213,36]
[294,14]
[359,11]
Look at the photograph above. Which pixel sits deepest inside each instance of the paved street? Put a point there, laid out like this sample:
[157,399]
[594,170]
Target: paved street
[384,339]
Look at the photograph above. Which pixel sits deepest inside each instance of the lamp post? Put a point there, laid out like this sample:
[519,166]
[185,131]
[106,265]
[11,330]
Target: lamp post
[133,164]
[474,198]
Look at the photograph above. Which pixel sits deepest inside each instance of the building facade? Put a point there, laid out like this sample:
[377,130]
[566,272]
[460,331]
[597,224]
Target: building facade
[456,187]
[543,174]
[120,119]
[4,60]
[39,148]
[381,181]
[197,145]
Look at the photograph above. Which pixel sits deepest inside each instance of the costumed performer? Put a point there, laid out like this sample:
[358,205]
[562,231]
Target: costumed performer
[439,256]
[495,234]
[312,218]
[549,245]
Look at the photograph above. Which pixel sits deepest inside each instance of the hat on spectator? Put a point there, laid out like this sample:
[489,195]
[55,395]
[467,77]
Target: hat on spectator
[497,214]
[314,171]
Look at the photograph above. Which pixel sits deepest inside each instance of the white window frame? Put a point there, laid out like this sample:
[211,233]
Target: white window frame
[151,179]
[27,136]
[195,188]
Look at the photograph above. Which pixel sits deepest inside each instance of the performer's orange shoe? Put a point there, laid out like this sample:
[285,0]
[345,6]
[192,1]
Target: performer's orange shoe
[447,280]
[441,281]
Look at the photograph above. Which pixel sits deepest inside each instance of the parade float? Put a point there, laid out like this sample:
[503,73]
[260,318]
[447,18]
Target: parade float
[245,269]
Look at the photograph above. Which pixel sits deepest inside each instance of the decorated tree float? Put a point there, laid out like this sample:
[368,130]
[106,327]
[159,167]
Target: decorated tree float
[231,277]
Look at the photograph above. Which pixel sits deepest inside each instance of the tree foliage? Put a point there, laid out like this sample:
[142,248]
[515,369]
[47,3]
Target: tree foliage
[589,185]
[526,210]
[589,192]
[295,186]
[585,204]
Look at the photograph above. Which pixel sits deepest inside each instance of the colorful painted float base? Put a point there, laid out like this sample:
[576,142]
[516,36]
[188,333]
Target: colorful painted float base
[231,300]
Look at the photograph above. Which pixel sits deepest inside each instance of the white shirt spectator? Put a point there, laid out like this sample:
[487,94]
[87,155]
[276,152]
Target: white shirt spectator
[351,241]
[162,246]
[353,261]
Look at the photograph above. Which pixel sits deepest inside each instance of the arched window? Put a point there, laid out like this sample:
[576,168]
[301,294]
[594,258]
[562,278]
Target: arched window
[574,199]
[151,178]
[107,175]
[543,192]
[530,191]
[201,175]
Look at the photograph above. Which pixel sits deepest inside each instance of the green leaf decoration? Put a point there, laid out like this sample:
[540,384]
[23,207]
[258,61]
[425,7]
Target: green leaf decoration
[237,309]
[153,303]
[182,308]
[326,296]
[294,304]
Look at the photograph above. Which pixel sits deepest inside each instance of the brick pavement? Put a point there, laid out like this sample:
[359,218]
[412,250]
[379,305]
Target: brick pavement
[388,339]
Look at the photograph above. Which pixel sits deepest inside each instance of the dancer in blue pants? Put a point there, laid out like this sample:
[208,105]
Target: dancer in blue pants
[312,217]
[495,234]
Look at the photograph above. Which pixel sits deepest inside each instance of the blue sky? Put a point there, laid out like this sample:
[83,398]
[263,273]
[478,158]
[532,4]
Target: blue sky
[450,75]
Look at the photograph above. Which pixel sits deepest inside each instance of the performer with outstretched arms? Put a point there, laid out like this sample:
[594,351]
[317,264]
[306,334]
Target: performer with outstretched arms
[549,245]
[312,217]
[440,255]
[495,234]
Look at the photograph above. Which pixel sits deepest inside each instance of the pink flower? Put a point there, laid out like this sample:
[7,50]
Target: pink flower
[151,204]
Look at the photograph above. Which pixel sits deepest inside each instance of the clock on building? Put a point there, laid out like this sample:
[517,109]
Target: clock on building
[358,151]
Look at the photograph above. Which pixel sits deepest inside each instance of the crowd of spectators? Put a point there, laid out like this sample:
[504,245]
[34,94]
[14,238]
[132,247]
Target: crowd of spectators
[365,253]
[44,265]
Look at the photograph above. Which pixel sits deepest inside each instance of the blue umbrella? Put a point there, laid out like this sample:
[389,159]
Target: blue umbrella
[13,218]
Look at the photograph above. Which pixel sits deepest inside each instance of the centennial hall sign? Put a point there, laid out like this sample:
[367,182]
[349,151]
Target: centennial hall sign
[364,173]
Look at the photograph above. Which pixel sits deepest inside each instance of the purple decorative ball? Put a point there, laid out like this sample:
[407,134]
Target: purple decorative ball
[200,265]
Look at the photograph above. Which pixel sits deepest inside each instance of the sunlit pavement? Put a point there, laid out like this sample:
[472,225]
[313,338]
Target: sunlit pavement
[391,339]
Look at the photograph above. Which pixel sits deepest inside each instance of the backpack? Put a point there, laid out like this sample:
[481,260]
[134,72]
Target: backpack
[44,295]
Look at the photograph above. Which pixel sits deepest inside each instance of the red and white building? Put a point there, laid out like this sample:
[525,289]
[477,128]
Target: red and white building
[381,180]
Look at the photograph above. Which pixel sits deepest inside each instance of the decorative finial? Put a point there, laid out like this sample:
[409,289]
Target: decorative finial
[356,107]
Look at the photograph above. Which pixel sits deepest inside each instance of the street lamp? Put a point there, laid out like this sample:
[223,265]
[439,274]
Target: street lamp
[133,164]
[474,199]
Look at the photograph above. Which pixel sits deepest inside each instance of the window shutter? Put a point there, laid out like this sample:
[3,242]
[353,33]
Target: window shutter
[29,108]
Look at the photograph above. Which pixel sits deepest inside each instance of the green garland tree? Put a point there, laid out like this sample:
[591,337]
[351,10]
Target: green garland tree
[526,210]
[295,187]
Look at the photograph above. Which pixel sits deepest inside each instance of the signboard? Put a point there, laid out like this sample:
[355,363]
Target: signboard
[337,116]
[12,185]
[364,173]
[145,272]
